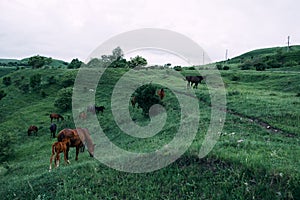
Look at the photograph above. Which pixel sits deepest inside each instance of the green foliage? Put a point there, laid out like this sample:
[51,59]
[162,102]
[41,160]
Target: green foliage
[63,100]
[6,81]
[2,94]
[39,61]
[146,97]
[75,64]
[177,68]
[35,82]
[68,78]
[260,66]
[219,66]
[52,80]
[226,68]
[24,88]
[6,143]
[137,61]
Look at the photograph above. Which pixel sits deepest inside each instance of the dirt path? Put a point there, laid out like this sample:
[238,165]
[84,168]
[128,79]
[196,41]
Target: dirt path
[265,125]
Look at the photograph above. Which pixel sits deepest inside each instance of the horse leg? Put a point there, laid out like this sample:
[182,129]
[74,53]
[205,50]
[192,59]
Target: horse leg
[77,152]
[65,157]
[57,160]
[51,158]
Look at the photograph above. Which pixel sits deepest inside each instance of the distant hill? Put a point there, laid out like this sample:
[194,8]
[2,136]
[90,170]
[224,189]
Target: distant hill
[24,62]
[293,50]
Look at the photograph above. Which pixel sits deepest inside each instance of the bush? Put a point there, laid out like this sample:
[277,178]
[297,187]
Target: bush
[24,88]
[235,78]
[2,94]
[219,66]
[68,79]
[146,97]
[260,66]
[225,68]
[178,68]
[6,81]
[64,99]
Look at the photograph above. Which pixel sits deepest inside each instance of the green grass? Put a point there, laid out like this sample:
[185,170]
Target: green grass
[247,162]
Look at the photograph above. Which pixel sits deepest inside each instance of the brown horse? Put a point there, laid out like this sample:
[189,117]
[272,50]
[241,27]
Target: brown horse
[57,148]
[33,129]
[133,101]
[78,138]
[56,116]
[82,115]
[161,93]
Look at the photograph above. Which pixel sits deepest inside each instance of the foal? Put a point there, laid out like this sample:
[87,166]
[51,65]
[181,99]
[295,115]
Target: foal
[57,148]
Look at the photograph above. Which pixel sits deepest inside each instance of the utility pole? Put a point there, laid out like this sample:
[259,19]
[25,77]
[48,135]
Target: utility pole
[288,47]
[226,55]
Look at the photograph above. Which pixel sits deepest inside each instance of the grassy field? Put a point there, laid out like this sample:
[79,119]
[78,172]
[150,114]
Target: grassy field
[249,161]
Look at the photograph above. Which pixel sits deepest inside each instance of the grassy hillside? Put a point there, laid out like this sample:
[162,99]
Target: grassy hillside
[256,157]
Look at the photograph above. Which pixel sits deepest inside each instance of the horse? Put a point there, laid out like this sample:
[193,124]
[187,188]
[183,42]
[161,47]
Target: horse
[57,148]
[99,109]
[78,138]
[161,93]
[32,129]
[194,80]
[83,115]
[133,101]
[91,109]
[56,116]
[53,130]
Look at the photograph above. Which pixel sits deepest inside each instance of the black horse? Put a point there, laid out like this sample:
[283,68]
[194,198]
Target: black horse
[53,130]
[194,80]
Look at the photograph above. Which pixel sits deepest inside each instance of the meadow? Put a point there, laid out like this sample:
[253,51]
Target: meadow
[255,157]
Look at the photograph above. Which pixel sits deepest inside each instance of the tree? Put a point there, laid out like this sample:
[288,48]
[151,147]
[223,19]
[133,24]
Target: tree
[146,97]
[64,99]
[75,64]
[39,61]
[137,61]
[117,54]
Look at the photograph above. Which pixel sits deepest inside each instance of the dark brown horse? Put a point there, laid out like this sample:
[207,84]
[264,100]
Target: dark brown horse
[57,148]
[194,80]
[53,130]
[133,101]
[33,129]
[56,116]
[78,138]
[161,93]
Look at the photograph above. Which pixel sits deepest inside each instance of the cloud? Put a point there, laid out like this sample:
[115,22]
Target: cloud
[69,29]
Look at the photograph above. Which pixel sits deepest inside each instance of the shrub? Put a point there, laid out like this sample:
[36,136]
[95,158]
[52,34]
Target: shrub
[64,99]
[225,68]
[24,88]
[2,94]
[146,97]
[235,78]
[260,66]
[68,79]
[6,81]
[219,66]
[178,68]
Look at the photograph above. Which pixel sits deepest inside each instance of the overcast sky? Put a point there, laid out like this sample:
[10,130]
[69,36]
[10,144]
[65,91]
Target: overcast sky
[67,29]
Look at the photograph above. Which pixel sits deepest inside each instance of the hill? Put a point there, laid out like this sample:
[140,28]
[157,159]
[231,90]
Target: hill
[256,156]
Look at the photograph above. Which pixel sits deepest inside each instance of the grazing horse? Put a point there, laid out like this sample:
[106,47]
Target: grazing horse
[99,109]
[57,148]
[32,129]
[91,109]
[53,130]
[161,93]
[194,80]
[83,115]
[78,138]
[133,101]
[56,116]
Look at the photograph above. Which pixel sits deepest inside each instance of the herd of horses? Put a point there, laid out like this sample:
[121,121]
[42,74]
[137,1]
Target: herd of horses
[80,137]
